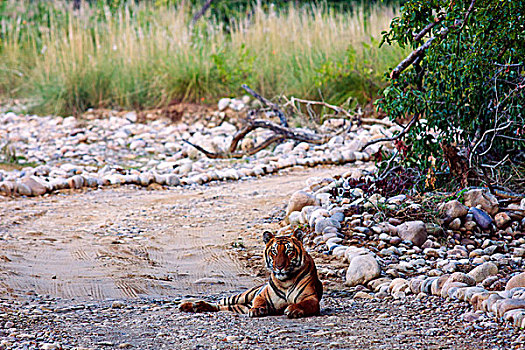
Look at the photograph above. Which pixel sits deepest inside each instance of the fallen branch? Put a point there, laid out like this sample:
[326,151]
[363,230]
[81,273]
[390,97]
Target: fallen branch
[395,137]
[274,107]
[337,109]
[281,133]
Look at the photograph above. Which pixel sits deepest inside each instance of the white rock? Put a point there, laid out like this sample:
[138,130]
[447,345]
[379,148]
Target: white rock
[363,268]
[223,104]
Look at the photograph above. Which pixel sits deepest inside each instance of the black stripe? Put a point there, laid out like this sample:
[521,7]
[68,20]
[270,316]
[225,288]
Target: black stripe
[309,295]
[299,279]
[302,289]
[277,291]
[271,305]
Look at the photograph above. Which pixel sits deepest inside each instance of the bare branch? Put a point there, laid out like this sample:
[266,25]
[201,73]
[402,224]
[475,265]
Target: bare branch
[281,133]
[202,11]
[420,51]
[337,109]
[274,107]
[427,29]
[411,58]
[395,137]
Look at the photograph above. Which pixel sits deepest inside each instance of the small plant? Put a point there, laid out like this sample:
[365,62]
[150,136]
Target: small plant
[8,154]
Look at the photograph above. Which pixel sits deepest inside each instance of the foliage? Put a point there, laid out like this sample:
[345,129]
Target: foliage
[469,86]
[147,54]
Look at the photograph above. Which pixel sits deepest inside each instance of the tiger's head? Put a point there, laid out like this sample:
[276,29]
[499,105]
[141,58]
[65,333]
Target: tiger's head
[284,255]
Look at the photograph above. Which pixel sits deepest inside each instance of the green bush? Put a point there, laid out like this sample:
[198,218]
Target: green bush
[467,88]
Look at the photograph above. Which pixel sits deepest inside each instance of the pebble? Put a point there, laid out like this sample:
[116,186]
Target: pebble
[118,146]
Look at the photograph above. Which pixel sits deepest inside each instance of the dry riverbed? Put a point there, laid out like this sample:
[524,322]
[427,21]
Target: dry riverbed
[106,269]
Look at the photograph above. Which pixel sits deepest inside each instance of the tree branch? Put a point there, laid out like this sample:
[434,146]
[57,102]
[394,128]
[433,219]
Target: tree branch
[420,51]
[395,137]
[202,11]
[267,103]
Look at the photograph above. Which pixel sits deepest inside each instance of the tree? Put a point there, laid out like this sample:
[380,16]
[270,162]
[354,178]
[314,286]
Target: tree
[463,88]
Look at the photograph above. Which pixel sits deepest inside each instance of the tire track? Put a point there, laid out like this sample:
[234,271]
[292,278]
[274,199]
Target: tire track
[128,243]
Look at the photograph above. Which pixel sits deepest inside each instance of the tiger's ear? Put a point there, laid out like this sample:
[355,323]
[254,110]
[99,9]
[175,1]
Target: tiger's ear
[298,234]
[267,236]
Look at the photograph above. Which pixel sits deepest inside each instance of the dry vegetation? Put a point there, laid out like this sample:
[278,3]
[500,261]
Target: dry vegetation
[145,55]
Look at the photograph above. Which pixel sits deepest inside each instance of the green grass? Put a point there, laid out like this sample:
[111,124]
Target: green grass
[143,56]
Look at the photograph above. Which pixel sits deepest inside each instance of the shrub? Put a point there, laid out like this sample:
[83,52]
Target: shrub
[467,89]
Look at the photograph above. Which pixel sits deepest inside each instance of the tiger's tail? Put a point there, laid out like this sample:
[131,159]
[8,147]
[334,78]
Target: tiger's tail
[239,303]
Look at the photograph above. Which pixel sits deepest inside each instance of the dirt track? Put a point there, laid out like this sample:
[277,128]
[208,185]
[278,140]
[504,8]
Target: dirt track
[126,242]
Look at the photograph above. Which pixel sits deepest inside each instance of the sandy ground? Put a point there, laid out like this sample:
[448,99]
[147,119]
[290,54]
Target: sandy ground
[128,242]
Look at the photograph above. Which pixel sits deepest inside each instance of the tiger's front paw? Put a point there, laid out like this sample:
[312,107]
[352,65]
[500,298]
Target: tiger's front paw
[258,312]
[186,307]
[293,311]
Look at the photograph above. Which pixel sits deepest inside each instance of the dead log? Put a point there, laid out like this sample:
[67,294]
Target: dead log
[281,133]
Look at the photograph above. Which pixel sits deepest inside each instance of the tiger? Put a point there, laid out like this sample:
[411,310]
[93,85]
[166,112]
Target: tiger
[293,288]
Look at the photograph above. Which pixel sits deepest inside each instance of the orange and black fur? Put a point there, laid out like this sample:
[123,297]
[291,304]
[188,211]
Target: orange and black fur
[293,288]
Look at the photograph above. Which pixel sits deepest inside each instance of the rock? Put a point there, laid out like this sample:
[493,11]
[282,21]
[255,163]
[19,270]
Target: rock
[454,209]
[295,218]
[415,285]
[397,199]
[398,285]
[362,269]
[75,182]
[22,189]
[502,220]
[470,316]
[376,283]
[516,281]
[137,144]
[509,304]
[322,224]
[413,231]
[223,104]
[477,299]
[481,218]
[362,295]
[117,304]
[483,271]
[35,185]
[471,291]
[299,200]
[7,188]
[488,305]
[352,252]
[515,316]
[487,282]
[462,278]
[455,224]
[171,180]
[448,286]
[481,197]
[437,285]
[209,280]
[426,285]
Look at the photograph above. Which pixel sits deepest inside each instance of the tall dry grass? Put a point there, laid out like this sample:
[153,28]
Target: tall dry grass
[143,56]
